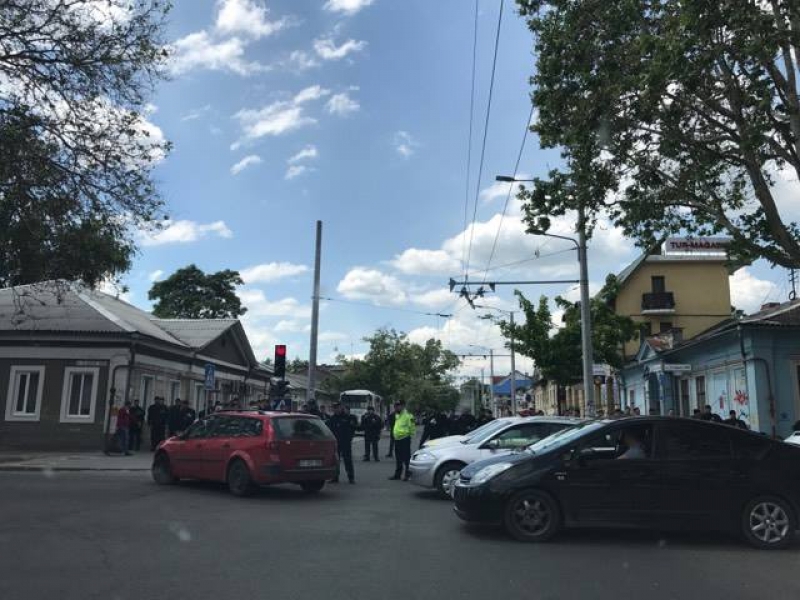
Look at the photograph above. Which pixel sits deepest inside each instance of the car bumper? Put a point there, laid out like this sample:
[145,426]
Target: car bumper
[476,504]
[422,473]
[275,474]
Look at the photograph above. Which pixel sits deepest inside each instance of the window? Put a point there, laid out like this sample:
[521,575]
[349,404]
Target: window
[298,428]
[631,398]
[693,442]
[613,443]
[79,395]
[24,400]
[200,429]
[665,326]
[645,330]
[174,391]
[199,394]
[658,284]
[700,392]
[146,391]
[521,436]
[685,412]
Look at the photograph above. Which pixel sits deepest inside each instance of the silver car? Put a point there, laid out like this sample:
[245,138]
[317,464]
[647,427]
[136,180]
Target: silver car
[438,466]
[449,440]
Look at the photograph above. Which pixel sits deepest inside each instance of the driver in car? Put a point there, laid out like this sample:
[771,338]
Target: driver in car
[635,448]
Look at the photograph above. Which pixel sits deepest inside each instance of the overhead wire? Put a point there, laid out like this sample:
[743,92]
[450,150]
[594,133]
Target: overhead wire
[469,139]
[485,135]
[408,310]
[508,195]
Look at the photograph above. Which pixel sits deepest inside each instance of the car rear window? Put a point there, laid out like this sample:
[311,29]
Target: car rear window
[299,428]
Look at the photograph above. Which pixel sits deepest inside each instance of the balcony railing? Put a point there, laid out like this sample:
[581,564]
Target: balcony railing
[658,301]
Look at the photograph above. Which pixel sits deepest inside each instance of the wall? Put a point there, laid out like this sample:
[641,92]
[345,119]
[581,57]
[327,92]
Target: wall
[701,290]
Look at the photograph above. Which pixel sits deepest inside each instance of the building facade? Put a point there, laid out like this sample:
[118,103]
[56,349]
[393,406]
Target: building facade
[69,357]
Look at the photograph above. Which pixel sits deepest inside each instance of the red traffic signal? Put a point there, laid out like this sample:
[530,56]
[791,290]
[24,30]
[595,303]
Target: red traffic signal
[280,350]
[280,361]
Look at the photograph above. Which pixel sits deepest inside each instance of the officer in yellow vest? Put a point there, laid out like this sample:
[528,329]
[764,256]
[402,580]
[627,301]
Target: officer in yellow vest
[403,431]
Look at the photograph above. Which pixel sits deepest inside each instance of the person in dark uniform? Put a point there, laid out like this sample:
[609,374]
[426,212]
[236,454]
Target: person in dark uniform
[341,424]
[735,421]
[188,416]
[435,426]
[390,427]
[466,422]
[137,422]
[371,424]
[174,418]
[157,421]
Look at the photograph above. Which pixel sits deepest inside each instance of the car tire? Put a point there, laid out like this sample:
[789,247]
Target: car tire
[769,523]
[446,477]
[532,516]
[240,483]
[312,487]
[162,470]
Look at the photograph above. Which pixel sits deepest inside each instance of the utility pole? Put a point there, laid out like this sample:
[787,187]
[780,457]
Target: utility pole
[312,357]
[491,382]
[586,316]
[513,368]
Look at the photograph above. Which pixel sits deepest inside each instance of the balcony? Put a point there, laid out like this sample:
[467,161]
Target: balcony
[658,303]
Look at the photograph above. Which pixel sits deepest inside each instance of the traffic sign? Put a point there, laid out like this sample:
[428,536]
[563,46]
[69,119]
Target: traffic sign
[211,376]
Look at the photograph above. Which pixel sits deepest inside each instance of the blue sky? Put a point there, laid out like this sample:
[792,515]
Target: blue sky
[356,112]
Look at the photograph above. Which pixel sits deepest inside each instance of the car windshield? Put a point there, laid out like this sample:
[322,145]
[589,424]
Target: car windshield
[563,437]
[482,433]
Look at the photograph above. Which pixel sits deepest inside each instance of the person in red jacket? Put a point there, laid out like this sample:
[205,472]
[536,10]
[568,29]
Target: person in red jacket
[123,426]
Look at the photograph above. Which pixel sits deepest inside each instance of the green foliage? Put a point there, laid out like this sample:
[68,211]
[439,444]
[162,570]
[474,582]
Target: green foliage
[191,294]
[398,369]
[558,352]
[76,152]
[672,117]
[297,366]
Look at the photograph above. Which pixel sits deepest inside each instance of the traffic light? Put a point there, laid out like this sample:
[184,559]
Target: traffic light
[280,360]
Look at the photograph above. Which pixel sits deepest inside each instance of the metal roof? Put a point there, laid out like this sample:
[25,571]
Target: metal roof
[196,333]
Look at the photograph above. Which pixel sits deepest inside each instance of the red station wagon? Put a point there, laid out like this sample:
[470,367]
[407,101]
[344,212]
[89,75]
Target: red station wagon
[248,449]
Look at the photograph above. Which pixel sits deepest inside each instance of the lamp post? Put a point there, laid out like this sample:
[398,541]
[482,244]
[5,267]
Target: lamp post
[586,315]
[510,314]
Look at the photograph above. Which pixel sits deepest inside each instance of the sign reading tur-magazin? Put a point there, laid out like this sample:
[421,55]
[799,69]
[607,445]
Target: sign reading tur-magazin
[696,245]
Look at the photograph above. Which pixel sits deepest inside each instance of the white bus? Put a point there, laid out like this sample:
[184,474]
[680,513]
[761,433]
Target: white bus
[358,401]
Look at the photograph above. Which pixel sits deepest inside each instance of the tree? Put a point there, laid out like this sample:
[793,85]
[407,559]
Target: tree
[558,353]
[191,294]
[397,368]
[297,366]
[672,117]
[76,151]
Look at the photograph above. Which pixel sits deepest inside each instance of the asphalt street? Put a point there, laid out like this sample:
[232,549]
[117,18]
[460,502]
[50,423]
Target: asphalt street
[114,535]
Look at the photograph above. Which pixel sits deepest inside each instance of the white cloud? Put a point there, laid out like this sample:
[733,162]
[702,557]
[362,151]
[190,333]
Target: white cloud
[301,60]
[370,284]
[434,299]
[271,272]
[155,275]
[312,92]
[246,17]
[200,51]
[296,171]
[291,326]
[415,261]
[326,49]
[332,336]
[404,144]
[342,105]
[259,306]
[196,113]
[348,7]
[247,161]
[748,292]
[308,152]
[183,232]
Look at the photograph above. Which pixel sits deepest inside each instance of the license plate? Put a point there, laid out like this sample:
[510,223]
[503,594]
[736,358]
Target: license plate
[309,463]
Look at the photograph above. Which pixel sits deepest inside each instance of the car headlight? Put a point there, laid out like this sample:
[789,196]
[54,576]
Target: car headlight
[423,457]
[487,473]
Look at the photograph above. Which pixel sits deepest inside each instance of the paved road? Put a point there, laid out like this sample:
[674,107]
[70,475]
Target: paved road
[112,535]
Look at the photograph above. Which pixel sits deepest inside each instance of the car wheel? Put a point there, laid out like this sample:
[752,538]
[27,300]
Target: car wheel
[162,470]
[446,477]
[532,516]
[239,481]
[768,522]
[312,487]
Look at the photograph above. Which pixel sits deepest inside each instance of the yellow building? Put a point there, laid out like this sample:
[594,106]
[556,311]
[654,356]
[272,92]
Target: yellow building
[683,289]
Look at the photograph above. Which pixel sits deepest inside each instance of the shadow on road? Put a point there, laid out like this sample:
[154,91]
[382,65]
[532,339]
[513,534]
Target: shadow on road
[277,493]
[430,495]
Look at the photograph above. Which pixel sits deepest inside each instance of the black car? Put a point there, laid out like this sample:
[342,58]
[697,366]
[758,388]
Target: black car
[648,472]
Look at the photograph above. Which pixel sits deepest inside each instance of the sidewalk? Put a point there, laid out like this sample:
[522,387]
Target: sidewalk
[73,461]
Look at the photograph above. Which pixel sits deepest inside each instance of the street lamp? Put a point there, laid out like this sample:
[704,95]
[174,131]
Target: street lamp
[586,316]
[510,314]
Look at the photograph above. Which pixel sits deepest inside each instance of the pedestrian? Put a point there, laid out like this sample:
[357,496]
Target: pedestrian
[137,421]
[696,414]
[484,417]
[466,422]
[123,427]
[187,416]
[710,416]
[390,427]
[174,418]
[157,421]
[404,430]
[637,411]
[341,424]
[671,412]
[734,421]
[371,424]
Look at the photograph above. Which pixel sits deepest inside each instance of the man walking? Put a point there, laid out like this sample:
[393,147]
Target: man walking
[372,425]
[157,421]
[404,430]
[342,427]
[137,421]
[123,427]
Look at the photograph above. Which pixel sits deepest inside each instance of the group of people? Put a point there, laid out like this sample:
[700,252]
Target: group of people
[439,424]
[159,418]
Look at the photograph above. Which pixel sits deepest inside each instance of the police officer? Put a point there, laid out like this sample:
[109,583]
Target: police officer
[342,426]
[371,424]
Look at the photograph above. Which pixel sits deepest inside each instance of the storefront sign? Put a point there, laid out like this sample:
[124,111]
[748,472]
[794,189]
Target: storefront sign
[599,370]
[689,245]
[677,368]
